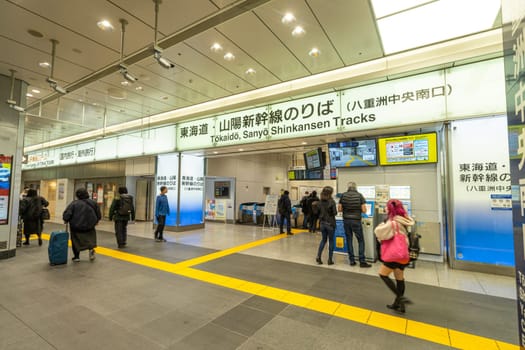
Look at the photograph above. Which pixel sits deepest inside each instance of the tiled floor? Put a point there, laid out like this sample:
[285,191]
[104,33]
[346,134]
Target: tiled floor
[303,249]
[117,304]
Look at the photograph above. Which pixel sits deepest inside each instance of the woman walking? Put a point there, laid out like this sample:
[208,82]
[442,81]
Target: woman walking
[82,215]
[327,213]
[397,222]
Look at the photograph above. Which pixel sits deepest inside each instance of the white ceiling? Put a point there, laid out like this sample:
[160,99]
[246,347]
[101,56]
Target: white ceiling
[345,31]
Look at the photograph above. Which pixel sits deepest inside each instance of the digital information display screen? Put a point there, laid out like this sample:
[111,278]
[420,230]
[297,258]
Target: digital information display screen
[353,153]
[412,149]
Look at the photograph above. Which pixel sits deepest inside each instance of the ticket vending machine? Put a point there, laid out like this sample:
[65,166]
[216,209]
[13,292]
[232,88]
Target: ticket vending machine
[368,224]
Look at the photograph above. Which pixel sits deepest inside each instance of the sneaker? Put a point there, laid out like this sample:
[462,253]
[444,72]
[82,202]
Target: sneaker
[158,240]
[92,254]
[76,259]
[352,263]
[364,264]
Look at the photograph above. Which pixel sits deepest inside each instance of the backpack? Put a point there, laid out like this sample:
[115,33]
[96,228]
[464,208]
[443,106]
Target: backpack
[315,207]
[125,205]
[33,208]
[413,246]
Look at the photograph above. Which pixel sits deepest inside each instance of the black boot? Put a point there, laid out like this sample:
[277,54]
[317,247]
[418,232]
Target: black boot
[319,261]
[392,286]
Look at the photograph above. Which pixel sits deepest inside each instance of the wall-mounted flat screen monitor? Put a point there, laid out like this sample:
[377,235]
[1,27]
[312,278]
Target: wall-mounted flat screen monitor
[314,159]
[360,153]
[411,149]
[314,174]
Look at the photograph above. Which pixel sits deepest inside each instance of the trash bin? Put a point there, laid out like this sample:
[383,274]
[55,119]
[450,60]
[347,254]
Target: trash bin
[246,212]
[259,213]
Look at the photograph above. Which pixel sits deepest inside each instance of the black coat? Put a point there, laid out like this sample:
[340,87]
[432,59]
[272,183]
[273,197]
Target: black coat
[32,224]
[82,215]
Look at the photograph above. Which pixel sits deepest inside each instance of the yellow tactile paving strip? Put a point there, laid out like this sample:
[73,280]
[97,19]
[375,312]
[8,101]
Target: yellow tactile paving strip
[419,330]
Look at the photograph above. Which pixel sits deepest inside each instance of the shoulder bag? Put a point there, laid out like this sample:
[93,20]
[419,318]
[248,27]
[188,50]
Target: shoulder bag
[396,248]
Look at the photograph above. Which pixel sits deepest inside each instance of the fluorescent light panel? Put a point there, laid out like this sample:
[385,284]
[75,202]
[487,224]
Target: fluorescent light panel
[435,22]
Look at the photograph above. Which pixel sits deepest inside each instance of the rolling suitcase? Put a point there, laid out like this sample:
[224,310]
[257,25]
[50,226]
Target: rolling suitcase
[57,249]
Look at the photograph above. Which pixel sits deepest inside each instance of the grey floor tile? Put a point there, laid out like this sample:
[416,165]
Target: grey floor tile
[251,344]
[244,320]
[284,333]
[172,327]
[210,337]
[347,335]
[266,305]
[306,316]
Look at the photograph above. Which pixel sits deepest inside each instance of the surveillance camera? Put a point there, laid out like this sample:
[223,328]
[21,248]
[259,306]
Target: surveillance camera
[164,62]
[60,89]
[12,104]
[127,75]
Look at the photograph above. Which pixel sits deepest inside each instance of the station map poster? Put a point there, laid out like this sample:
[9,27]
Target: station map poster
[167,175]
[5,187]
[513,15]
[191,190]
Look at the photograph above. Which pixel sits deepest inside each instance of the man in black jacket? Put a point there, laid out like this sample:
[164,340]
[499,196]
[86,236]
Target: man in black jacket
[122,210]
[352,204]
[285,210]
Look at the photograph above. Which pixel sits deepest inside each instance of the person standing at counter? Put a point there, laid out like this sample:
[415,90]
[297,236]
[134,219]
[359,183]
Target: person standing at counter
[328,211]
[353,204]
[162,209]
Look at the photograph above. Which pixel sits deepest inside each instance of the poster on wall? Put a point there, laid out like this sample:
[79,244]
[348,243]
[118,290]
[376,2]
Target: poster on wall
[5,188]
[167,175]
[191,190]
[210,209]
[481,191]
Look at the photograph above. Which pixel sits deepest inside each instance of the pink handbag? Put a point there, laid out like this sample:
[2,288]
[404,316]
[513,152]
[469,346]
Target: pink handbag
[396,248]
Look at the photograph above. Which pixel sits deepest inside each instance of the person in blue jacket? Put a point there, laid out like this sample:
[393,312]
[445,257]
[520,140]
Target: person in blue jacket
[162,209]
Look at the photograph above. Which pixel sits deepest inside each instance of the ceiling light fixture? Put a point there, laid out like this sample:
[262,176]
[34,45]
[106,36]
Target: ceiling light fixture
[139,88]
[298,31]
[35,91]
[44,64]
[105,25]
[288,18]
[163,61]
[229,56]
[29,95]
[52,82]
[250,71]
[124,83]
[216,47]
[122,67]
[314,52]
[11,102]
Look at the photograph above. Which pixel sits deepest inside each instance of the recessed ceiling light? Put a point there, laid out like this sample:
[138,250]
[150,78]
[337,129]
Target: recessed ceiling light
[44,64]
[314,52]
[95,104]
[298,31]
[29,95]
[288,18]
[124,83]
[215,152]
[216,47]
[250,71]
[241,149]
[35,91]
[229,56]
[139,88]
[105,25]
[304,143]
